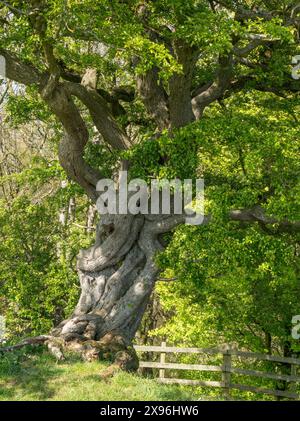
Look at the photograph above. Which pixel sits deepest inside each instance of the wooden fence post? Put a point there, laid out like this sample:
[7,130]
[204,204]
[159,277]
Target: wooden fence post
[227,368]
[293,385]
[226,374]
[162,360]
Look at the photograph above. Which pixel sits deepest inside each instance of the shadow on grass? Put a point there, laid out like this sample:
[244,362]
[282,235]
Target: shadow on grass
[38,377]
[25,376]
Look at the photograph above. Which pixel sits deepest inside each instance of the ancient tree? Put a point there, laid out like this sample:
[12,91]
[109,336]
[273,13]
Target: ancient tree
[178,58]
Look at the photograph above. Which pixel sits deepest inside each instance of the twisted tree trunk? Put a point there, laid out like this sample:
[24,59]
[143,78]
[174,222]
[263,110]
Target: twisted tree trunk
[117,276]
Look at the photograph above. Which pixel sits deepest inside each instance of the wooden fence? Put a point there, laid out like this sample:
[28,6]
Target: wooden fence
[226,369]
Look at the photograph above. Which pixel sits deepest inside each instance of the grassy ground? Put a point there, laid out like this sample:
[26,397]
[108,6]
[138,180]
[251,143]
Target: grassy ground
[38,377]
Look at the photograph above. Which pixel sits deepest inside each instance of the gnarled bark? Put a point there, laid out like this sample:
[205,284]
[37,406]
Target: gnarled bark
[117,276]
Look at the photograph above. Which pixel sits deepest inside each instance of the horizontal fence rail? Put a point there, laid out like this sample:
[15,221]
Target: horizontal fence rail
[226,369]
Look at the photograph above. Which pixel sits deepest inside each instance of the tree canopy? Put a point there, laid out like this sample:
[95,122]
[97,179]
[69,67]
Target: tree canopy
[166,89]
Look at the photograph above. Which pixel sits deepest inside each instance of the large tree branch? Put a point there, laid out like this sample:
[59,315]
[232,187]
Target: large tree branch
[181,112]
[257,214]
[71,147]
[216,89]
[149,86]
[288,14]
[102,118]
[255,41]
[223,85]
[58,97]
[19,71]
[39,24]
[206,94]
[154,97]
[37,340]
[113,98]
[250,82]
[287,17]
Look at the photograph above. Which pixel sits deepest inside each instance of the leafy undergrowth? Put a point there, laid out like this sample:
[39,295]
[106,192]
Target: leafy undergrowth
[38,377]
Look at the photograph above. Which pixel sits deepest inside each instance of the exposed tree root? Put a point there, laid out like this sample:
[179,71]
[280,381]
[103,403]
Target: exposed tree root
[112,347]
[37,340]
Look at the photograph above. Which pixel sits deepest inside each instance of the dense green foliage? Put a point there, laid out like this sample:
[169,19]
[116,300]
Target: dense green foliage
[38,252]
[235,282]
[239,284]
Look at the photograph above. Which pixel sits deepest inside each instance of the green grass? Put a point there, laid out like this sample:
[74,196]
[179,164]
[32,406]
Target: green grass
[38,377]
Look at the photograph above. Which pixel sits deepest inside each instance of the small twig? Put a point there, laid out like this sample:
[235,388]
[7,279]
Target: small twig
[12,8]
[167,279]
[83,226]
